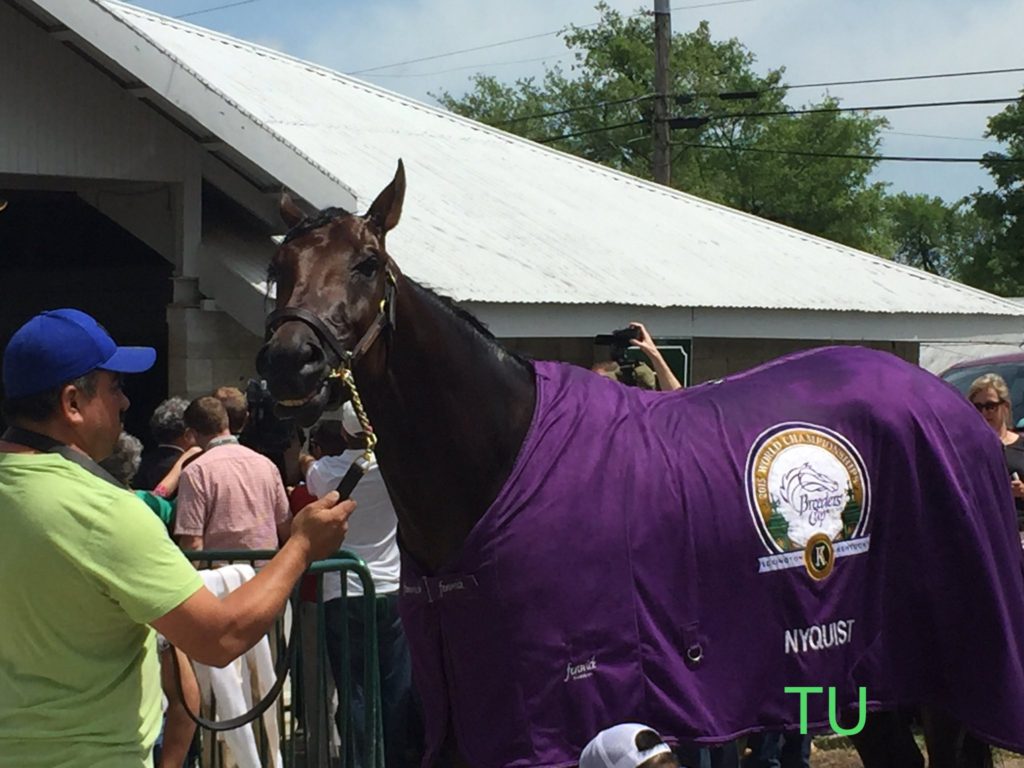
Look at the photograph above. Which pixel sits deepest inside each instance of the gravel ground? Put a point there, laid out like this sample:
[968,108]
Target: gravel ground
[841,756]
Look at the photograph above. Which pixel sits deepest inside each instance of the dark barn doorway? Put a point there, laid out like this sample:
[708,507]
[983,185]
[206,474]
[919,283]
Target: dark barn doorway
[57,251]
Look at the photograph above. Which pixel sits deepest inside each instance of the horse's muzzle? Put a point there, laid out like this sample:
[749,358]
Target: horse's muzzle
[296,371]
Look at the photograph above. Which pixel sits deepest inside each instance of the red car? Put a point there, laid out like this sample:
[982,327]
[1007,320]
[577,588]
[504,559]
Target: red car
[1010,367]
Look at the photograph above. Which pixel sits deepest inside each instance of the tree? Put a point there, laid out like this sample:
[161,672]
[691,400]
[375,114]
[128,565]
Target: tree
[996,263]
[928,234]
[743,161]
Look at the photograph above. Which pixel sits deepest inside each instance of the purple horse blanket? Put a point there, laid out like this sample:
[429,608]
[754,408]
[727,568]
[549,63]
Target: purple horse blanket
[838,518]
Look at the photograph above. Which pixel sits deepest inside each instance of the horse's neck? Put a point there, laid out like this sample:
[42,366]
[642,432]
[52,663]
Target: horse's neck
[451,410]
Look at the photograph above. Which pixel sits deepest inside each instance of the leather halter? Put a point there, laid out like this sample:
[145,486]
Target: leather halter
[345,358]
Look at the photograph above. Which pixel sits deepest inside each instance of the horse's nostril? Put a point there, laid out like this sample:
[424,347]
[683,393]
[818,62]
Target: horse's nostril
[261,361]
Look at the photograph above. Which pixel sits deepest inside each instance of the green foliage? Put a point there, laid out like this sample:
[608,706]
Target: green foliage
[996,261]
[613,65]
[778,526]
[851,514]
[765,165]
[928,234]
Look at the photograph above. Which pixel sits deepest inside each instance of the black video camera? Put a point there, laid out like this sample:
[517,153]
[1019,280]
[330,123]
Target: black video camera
[264,431]
[618,341]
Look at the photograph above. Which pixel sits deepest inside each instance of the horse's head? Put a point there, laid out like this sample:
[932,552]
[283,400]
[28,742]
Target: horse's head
[335,285]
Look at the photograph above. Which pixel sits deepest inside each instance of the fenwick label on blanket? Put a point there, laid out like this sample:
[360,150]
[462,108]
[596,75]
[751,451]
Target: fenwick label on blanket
[838,519]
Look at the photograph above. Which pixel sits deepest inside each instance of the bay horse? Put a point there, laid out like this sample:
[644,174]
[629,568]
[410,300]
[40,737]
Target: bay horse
[577,553]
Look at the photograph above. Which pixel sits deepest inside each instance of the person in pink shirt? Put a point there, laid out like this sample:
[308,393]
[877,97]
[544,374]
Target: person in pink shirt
[230,497]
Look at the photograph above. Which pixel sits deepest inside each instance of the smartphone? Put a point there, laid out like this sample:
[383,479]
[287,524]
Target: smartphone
[1014,476]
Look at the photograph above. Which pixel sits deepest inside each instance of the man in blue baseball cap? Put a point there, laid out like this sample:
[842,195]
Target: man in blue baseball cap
[86,570]
[64,361]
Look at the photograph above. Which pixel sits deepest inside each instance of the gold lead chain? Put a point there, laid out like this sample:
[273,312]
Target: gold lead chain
[357,404]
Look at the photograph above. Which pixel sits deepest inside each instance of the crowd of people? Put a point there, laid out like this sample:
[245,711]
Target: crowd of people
[214,493]
[98,596]
[91,576]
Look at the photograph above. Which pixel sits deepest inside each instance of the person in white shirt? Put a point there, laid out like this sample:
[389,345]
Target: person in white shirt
[374,538]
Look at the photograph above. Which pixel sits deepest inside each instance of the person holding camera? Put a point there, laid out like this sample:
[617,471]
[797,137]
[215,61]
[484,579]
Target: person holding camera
[633,373]
[88,572]
[667,380]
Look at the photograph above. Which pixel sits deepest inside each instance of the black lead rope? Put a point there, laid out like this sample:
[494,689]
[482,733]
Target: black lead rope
[284,663]
[355,473]
[46,444]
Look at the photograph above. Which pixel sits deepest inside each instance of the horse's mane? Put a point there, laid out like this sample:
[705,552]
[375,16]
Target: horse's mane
[476,325]
[326,216]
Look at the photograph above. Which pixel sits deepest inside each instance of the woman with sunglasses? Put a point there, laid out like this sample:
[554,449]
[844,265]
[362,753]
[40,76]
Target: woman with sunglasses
[990,395]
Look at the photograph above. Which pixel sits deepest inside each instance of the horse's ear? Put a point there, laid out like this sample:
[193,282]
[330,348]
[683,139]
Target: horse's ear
[387,208]
[291,214]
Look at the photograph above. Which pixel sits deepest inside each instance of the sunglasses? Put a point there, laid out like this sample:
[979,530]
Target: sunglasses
[988,406]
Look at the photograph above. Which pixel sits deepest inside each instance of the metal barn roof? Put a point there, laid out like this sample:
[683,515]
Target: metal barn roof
[489,217]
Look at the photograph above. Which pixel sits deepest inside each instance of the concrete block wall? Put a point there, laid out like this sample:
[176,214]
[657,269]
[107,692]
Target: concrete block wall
[712,358]
[569,350]
[207,349]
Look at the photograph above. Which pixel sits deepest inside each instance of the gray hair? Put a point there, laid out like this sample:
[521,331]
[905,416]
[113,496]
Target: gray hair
[123,463]
[167,423]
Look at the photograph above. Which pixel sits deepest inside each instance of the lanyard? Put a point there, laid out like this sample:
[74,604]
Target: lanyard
[227,440]
[46,444]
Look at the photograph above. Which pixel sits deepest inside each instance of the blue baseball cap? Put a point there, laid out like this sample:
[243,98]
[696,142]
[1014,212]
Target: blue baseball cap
[60,345]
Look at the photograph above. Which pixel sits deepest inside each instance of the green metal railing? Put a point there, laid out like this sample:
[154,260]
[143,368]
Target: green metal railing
[304,746]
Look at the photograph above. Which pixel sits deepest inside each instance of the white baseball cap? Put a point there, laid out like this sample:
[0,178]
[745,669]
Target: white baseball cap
[349,420]
[616,747]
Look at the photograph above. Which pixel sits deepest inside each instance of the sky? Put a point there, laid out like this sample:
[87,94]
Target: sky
[815,40]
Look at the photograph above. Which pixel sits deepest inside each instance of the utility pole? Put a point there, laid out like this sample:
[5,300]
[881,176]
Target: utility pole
[662,165]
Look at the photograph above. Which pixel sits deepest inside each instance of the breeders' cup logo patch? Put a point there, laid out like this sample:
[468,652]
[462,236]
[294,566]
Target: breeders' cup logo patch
[809,496]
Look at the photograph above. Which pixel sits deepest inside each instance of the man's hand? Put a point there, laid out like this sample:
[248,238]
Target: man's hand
[1017,488]
[215,631]
[322,525]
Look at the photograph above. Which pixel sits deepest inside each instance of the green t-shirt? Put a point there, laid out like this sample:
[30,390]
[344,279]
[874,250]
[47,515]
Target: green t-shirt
[84,566]
[162,508]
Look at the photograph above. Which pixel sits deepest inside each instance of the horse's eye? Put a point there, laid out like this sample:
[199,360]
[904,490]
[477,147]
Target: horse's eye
[368,267]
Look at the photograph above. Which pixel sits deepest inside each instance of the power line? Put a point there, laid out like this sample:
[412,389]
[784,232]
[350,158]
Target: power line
[700,5]
[852,156]
[570,110]
[905,78]
[796,152]
[553,56]
[602,129]
[737,95]
[939,136]
[523,39]
[698,120]
[452,53]
[215,8]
